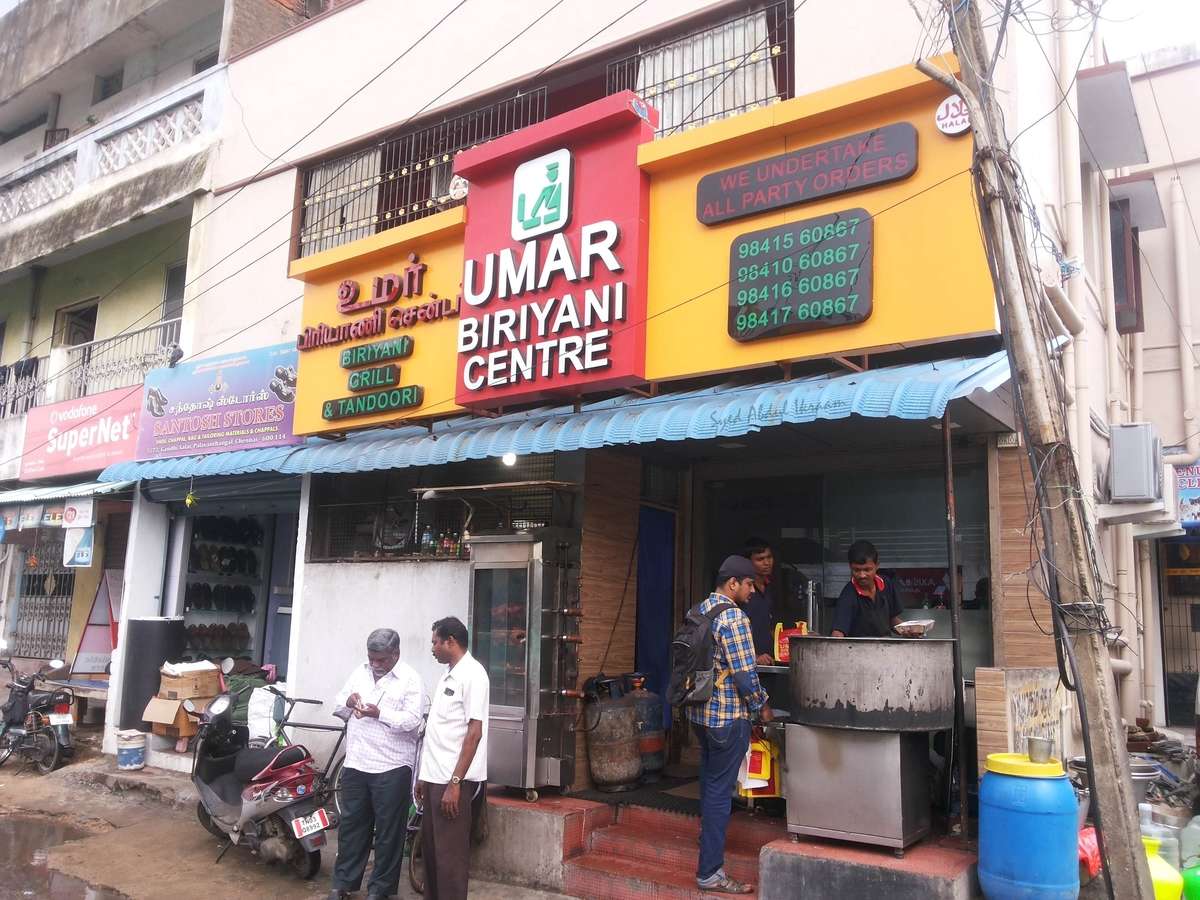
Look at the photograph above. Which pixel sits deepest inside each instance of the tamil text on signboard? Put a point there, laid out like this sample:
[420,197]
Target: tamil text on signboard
[234,402]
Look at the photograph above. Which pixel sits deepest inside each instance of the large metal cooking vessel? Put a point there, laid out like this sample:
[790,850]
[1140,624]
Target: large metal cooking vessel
[873,684]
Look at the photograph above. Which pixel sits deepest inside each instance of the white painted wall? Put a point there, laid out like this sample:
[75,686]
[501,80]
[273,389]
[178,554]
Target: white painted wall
[343,602]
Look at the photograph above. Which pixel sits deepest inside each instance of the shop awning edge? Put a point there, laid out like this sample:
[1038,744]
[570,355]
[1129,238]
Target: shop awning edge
[915,391]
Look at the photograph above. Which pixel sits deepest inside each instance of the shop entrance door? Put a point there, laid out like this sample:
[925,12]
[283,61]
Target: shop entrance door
[655,596]
[1180,560]
[279,601]
[44,602]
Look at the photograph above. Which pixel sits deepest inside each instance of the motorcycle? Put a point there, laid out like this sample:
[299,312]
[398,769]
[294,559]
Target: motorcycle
[271,799]
[36,725]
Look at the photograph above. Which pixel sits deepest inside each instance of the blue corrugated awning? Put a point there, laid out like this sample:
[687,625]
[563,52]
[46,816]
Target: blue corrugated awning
[64,492]
[914,391]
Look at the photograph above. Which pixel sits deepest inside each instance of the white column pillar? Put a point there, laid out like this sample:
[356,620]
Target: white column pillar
[145,565]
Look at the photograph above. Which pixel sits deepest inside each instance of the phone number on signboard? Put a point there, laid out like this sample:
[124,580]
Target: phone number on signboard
[781,315]
[803,237]
[783,290]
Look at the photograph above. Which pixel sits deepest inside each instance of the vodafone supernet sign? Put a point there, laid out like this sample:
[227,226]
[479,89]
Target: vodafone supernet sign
[553,294]
[83,435]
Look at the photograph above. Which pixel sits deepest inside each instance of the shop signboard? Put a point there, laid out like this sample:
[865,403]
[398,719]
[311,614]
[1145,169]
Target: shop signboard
[79,512]
[30,516]
[12,445]
[239,401]
[77,547]
[815,273]
[726,292]
[83,435]
[1187,481]
[554,286]
[52,515]
[849,163]
[378,329]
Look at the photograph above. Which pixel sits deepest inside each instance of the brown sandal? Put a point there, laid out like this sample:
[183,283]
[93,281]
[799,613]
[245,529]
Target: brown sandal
[727,886]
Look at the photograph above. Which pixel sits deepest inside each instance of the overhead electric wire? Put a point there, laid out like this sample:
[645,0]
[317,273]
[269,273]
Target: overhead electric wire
[290,210]
[1170,149]
[449,400]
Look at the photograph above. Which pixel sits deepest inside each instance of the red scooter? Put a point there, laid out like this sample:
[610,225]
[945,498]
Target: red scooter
[271,799]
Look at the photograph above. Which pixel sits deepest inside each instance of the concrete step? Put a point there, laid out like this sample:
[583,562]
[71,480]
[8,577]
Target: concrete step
[671,849]
[743,828]
[594,875]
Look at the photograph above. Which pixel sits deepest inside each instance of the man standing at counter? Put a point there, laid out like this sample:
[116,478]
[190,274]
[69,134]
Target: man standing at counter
[722,724]
[868,605]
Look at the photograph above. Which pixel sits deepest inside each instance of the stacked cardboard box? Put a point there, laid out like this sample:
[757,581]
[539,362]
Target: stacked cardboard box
[198,682]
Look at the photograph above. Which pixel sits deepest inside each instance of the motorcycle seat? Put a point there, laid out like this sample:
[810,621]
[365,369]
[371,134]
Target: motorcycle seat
[252,762]
[38,698]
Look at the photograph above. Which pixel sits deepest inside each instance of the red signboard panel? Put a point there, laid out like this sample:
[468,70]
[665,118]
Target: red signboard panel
[554,283]
[84,435]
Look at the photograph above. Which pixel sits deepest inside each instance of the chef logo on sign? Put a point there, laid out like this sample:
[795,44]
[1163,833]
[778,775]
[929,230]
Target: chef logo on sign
[541,195]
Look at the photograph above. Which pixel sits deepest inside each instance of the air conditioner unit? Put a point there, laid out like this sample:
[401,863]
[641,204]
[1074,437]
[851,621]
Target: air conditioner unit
[1135,468]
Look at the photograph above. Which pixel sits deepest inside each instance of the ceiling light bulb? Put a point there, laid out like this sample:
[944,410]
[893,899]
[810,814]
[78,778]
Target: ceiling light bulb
[509,459]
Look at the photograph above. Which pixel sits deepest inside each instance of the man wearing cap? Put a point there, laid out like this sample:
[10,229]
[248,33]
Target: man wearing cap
[722,724]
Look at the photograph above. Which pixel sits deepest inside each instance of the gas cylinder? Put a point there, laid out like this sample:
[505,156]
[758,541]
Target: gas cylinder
[652,742]
[612,740]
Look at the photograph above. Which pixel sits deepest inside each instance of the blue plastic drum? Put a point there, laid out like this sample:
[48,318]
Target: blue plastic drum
[1028,838]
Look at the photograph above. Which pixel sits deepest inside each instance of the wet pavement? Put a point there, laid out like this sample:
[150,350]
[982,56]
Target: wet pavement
[25,842]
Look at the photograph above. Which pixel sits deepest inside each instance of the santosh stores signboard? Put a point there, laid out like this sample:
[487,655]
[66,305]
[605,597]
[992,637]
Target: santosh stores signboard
[591,257]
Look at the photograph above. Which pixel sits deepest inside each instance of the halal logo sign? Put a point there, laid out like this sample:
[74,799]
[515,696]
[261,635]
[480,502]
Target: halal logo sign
[541,195]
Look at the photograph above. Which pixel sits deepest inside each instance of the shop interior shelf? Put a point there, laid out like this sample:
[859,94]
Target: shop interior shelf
[222,612]
[238,544]
[234,579]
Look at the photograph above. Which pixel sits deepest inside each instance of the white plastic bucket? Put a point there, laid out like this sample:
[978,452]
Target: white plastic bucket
[131,750]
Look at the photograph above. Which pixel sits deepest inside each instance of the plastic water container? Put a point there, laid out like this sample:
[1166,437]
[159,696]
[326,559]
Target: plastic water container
[1028,839]
[1168,883]
[131,750]
[1189,842]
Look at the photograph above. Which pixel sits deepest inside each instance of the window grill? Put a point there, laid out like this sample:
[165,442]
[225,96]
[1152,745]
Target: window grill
[401,178]
[712,73]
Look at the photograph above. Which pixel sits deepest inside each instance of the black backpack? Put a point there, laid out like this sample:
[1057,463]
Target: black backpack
[692,675]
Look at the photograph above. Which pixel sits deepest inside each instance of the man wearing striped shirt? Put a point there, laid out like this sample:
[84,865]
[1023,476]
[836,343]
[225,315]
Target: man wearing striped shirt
[722,724]
[382,704]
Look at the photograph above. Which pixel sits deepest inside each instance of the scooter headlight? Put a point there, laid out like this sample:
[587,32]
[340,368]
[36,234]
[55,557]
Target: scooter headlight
[218,705]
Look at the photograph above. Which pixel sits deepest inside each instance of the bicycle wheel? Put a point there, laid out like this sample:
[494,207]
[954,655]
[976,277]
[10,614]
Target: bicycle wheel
[333,782]
[416,862]
[45,753]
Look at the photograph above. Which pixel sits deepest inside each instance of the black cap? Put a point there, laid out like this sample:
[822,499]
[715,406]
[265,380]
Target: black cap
[736,567]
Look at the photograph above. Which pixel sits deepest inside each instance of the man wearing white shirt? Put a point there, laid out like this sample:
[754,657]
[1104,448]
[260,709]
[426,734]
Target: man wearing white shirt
[453,762]
[382,704]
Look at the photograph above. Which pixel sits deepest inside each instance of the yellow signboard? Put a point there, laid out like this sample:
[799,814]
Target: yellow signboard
[378,330]
[854,192]
[836,224]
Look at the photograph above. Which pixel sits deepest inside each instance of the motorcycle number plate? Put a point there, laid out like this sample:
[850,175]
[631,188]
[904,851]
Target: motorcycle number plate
[306,825]
[62,719]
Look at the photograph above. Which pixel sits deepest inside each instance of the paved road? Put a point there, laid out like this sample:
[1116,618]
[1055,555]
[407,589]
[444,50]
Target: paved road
[143,849]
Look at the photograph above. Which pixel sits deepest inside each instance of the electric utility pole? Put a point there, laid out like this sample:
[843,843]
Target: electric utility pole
[1075,601]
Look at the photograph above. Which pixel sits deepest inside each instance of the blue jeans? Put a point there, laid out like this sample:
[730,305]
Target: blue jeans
[721,753]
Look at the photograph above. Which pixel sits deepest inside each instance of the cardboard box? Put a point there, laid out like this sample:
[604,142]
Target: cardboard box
[168,718]
[205,683]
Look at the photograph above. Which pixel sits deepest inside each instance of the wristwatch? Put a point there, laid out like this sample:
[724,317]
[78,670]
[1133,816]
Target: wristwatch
[454,779]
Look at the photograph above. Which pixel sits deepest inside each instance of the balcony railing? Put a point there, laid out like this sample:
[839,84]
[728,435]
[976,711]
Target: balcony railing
[402,178]
[166,130]
[710,73]
[178,115]
[23,386]
[116,362]
[42,187]
[714,72]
